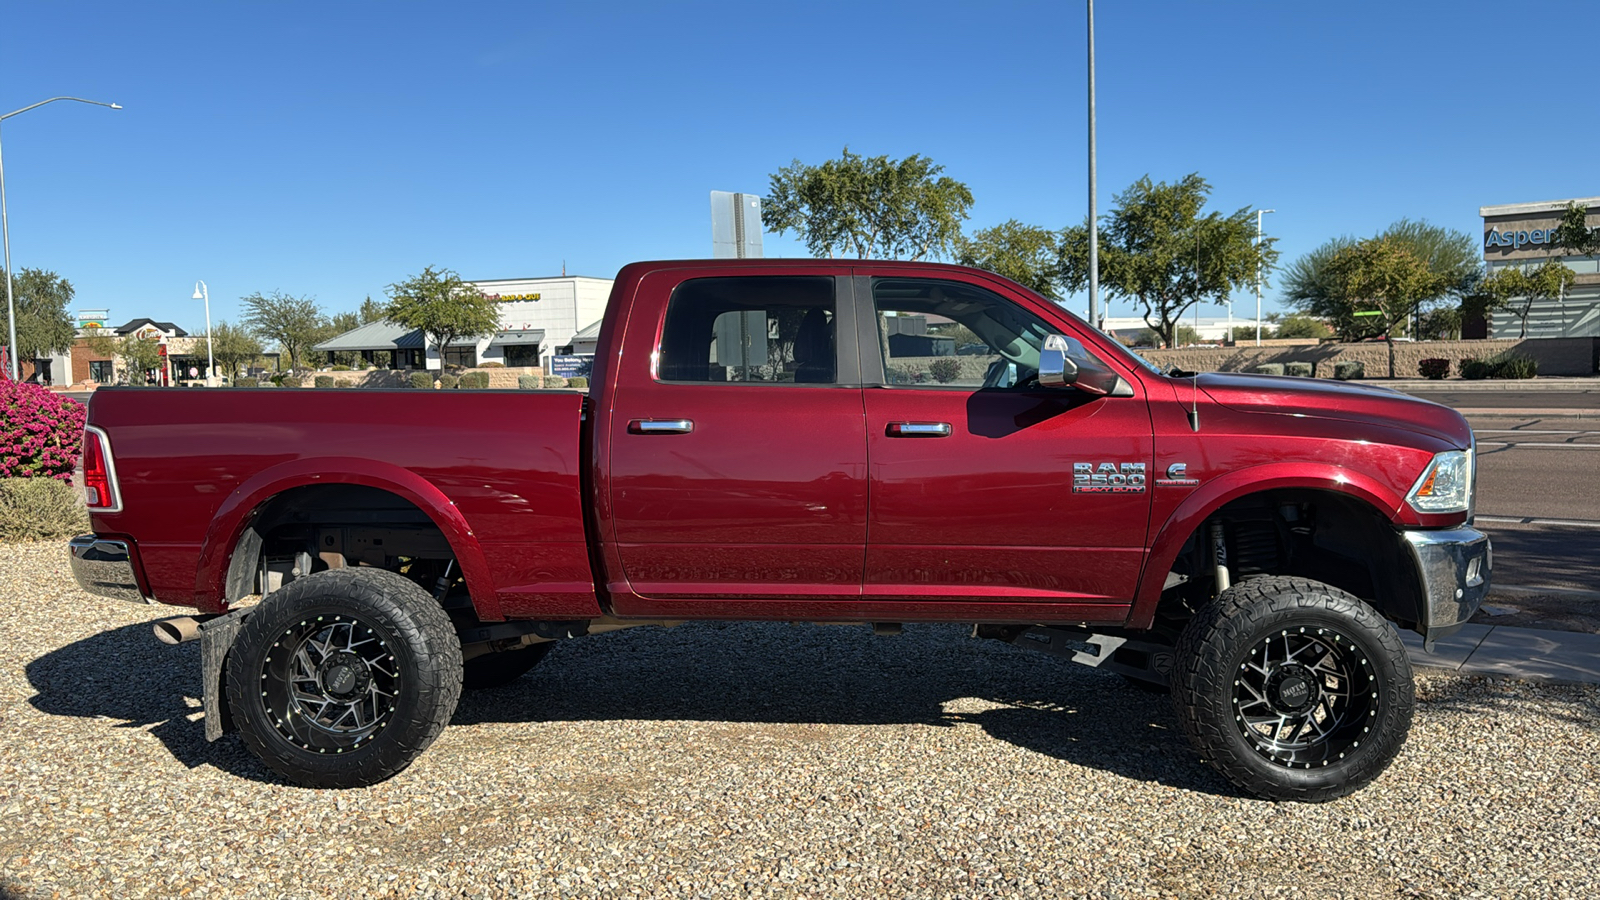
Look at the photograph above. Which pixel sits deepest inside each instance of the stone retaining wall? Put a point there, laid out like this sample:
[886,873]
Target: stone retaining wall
[1556,356]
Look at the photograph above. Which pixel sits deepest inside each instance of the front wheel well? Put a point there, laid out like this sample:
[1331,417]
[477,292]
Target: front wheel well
[1320,535]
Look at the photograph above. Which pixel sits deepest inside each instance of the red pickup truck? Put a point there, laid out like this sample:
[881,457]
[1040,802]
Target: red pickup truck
[813,441]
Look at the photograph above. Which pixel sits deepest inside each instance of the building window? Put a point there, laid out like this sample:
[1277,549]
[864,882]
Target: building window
[100,371]
[461,356]
[521,354]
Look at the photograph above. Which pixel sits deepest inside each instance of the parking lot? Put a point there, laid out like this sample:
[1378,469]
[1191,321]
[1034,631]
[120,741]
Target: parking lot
[756,760]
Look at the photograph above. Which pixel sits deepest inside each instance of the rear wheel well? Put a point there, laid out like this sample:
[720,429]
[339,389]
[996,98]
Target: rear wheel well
[1320,535]
[314,528]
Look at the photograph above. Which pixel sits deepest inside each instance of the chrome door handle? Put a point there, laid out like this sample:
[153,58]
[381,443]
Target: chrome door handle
[919,429]
[660,426]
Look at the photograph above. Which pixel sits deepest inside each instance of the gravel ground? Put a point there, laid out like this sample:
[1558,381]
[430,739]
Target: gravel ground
[755,760]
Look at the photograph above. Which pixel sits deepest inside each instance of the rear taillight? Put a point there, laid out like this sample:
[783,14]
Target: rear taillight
[99,473]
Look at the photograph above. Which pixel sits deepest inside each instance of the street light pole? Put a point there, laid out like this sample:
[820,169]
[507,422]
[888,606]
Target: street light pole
[201,292]
[1094,225]
[1259,214]
[5,230]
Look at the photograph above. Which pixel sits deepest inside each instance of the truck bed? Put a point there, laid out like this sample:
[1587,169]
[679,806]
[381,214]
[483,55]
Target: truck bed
[497,471]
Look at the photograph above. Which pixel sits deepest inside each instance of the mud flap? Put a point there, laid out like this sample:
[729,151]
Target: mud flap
[216,639]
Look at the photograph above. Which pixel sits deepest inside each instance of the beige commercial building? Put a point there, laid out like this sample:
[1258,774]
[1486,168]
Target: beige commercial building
[1523,234]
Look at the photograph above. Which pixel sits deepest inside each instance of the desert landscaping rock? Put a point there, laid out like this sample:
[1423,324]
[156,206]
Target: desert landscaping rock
[751,760]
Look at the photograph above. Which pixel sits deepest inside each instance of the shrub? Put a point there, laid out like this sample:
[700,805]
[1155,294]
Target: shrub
[324,381]
[1475,370]
[528,382]
[1514,366]
[1434,368]
[492,365]
[1268,369]
[1349,370]
[554,381]
[41,434]
[448,382]
[578,382]
[1461,366]
[1298,369]
[291,381]
[945,369]
[422,381]
[40,509]
[474,381]
[245,381]
[338,368]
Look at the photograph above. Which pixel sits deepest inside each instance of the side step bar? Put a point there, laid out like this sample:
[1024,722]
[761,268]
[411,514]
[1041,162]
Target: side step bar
[1140,660]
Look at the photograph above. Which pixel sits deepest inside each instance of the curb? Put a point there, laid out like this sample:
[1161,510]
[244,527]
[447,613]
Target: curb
[1527,654]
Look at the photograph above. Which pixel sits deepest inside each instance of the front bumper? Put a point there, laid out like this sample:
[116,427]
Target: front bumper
[1453,569]
[105,567]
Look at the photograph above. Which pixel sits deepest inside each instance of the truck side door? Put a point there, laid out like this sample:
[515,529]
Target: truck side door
[737,442]
[974,467]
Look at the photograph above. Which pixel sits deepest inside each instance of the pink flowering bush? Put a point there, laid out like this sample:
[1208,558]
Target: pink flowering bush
[41,434]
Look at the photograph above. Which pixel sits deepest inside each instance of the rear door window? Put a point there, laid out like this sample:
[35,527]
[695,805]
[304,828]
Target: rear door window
[759,329]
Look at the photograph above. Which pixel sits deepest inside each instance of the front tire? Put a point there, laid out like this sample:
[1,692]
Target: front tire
[342,678]
[1292,689]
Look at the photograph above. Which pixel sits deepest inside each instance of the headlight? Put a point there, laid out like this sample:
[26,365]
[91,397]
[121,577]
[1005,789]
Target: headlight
[1445,486]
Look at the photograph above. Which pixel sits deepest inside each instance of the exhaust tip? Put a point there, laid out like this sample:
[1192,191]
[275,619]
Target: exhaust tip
[177,631]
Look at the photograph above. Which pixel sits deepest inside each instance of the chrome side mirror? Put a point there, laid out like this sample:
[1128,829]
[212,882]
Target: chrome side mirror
[1063,361]
[1056,368]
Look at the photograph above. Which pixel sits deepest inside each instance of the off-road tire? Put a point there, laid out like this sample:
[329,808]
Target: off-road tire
[493,670]
[400,670]
[1250,657]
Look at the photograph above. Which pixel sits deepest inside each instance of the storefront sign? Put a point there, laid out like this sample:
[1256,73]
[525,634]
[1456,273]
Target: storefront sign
[512,298]
[1518,239]
[577,366]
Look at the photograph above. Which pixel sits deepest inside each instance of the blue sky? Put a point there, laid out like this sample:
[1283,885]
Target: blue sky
[331,149]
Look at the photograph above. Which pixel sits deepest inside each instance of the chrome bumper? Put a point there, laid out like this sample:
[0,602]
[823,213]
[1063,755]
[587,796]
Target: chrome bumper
[1453,568]
[105,568]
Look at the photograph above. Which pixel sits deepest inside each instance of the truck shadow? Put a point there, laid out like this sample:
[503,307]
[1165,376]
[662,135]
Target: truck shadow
[770,673]
[127,677]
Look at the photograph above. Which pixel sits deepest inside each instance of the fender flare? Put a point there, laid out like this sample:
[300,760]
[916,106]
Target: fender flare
[222,536]
[1217,492]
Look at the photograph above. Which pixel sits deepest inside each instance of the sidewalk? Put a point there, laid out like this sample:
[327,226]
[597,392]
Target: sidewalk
[1531,654]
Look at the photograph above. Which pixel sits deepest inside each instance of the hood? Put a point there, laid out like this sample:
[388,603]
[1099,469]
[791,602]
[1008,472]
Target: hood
[1325,399]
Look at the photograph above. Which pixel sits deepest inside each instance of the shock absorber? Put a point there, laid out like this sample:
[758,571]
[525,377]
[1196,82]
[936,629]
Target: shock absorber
[1219,556]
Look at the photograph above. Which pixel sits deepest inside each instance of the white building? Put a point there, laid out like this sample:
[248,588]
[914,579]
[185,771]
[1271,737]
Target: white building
[538,319]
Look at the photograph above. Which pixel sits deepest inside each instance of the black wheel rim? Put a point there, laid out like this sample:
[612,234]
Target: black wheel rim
[1305,697]
[330,683]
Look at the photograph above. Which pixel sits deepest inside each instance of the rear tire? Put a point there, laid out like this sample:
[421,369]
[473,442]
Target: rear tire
[493,670]
[342,678]
[1292,689]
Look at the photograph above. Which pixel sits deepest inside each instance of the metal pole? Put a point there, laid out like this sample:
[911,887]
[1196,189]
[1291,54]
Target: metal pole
[5,233]
[11,304]
[1094,225]
[1259,214]
[211,364]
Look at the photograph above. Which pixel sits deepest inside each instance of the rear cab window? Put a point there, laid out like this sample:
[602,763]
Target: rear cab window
[760,329]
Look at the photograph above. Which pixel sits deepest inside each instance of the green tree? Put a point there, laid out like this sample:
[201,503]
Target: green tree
[44,325]
[1440,324]
[371,311]
[1026,254]
[1157,248]
[1247,333]
[1383,279]
[443,306]
[338,324]
[877,206]
[1515,290]
[1452,255]
[1574,236]
[233,347]
[138,356]
[292,323]
[1303,326]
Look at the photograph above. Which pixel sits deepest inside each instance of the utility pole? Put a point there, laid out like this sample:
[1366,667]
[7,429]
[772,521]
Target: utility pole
[1094,224]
